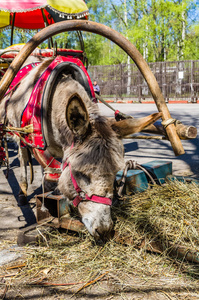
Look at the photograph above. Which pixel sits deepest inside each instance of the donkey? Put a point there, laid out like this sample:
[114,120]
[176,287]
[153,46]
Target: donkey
[89,144]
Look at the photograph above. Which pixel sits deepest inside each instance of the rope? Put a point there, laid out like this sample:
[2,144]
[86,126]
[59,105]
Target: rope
[46,171]
[17,132]
[43,208]
[7,157]
[132,165]
[23,130]
[168,122]
[49,170]
[117,113]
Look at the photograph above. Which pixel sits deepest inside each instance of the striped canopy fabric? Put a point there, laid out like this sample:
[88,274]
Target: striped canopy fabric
[34,14]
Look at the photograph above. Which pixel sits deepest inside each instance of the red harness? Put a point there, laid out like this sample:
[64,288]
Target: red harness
[79,197]
[33,115]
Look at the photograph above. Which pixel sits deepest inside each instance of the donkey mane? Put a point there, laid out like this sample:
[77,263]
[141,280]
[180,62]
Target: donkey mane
[97,152]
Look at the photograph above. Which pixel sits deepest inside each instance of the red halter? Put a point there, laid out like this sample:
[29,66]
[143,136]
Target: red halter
[79,198]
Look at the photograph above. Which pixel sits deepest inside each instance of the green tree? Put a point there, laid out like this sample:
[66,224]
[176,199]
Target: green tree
[192,43]
[160,29]
[4,39]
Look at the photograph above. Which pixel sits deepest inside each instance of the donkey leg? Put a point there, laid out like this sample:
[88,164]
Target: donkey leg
[23,159]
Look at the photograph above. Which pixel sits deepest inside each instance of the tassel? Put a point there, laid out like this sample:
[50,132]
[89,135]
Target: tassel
[43,208]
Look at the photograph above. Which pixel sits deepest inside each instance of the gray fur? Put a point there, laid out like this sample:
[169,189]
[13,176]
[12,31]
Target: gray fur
[97,154]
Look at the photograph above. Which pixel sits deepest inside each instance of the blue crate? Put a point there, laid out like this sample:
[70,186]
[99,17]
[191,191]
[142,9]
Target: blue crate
[136,181]
[159,169]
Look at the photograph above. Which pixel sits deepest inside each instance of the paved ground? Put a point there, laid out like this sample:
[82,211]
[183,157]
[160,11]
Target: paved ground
[146,150]
[14,217]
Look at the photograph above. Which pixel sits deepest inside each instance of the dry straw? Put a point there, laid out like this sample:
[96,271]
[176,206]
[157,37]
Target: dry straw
[165,214]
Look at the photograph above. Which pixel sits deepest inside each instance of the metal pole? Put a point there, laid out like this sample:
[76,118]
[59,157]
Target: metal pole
[12,30]
[46,24]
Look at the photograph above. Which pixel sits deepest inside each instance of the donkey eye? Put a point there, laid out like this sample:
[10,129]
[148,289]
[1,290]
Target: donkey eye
[80,175]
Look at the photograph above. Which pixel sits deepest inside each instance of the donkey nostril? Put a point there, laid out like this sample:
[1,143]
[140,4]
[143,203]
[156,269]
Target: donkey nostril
[97,233]
[102,235]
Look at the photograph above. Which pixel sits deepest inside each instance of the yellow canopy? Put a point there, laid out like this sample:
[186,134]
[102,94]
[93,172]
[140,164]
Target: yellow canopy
[72,7]
[4,19]
[30,14]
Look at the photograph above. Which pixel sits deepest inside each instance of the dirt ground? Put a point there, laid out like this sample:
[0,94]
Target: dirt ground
[14,217]
[136,290]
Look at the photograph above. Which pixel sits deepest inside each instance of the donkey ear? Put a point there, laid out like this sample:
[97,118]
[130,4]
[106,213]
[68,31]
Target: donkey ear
[130,126]
[77,116]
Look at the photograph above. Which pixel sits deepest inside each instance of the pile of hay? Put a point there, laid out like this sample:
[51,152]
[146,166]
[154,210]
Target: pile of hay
[168,215]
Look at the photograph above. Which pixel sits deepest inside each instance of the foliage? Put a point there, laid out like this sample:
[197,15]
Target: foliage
[19,37]
[160,29]
[67,40]
[4,41]
[192,43]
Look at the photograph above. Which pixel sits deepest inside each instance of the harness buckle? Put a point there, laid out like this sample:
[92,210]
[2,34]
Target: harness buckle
[77,200]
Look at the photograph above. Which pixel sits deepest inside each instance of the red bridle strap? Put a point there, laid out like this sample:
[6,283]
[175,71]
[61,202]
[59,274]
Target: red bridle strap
[93,198]
[78,198]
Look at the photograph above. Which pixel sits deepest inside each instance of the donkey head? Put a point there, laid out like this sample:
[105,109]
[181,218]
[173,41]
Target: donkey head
[91,163]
